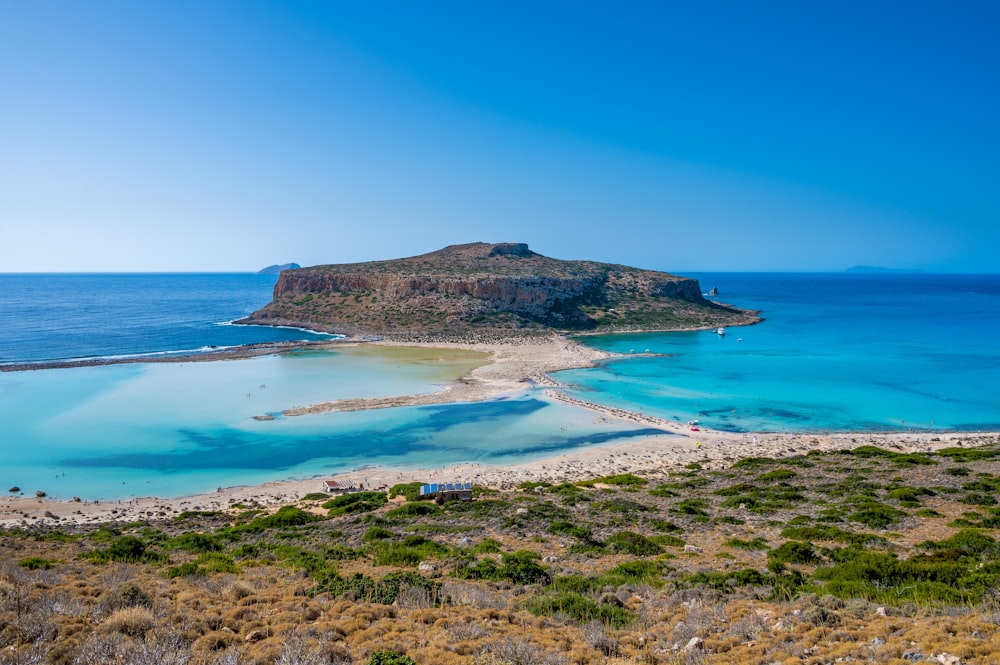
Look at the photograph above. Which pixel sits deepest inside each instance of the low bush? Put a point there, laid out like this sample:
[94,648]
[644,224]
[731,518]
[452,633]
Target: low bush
[581,608]
[792,551]
[390,658]
[410,551]
[126,594]
[384,591]
[409,490]
[620,480]
[134,621]
[125,549]
[415,509]
[632,543]
[755,544]
[35,563]
[355,502]
[195,543]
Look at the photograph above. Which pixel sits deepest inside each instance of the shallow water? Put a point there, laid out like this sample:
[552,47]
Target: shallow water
[835,352]
[171,429]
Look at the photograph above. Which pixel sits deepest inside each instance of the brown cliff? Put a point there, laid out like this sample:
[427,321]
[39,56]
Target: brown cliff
[503,289]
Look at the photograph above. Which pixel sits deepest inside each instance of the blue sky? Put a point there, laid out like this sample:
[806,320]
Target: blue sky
[225,136]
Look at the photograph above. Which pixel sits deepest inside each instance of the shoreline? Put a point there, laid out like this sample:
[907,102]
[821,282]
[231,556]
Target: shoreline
[653,458]
[513,366]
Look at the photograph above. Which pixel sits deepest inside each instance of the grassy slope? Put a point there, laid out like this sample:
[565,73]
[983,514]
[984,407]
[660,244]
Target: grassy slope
[770,561]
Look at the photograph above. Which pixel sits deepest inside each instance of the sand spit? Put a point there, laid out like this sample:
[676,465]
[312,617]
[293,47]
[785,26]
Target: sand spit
[514,366]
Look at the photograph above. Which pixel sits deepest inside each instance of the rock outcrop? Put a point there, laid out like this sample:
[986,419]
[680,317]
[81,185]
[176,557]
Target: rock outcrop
[504,288]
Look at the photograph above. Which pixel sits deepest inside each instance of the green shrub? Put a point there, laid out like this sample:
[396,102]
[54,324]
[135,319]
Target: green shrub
[619,505]
[410,490]
[415,509]
[377,533]
[189,569]
[777,475]
[35,563]
[390,658]
[792,551]
[521,567]
[487,546]
[755,462]
[633,543]
[484,569]
[315,496]
[968,542]
[195,543]
[410,551]
[755,544]
[620,480]
[909,496]
[692,508]
[939,578]
[216,562]
[570,529]
[355,502]
[966,455]
[632,572]
[830,533]
[124,549]
[580,608]
[727,580]
[285,516]
[875,515]
[667,540]
[384,591]
[665,526]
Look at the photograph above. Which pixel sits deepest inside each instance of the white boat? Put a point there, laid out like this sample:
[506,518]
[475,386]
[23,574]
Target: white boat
[721,331]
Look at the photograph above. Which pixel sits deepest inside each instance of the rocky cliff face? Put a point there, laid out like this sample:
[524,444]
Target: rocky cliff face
[504,288]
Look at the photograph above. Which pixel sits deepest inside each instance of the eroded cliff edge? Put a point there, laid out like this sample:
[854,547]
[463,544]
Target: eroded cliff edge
[481,289]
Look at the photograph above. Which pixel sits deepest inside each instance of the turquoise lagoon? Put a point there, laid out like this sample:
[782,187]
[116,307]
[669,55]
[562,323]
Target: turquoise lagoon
[836,352]
[173,429]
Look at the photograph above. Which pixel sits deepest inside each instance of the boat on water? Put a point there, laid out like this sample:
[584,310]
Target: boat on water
[714,291]
[720,331]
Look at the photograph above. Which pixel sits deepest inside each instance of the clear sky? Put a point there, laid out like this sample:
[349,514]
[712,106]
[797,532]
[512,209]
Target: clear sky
[682,136]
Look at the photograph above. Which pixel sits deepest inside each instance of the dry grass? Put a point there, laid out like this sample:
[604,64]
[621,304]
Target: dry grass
[81,612]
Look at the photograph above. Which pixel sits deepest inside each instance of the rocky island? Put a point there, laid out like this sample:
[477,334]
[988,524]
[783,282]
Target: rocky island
[478,289]
[277,268]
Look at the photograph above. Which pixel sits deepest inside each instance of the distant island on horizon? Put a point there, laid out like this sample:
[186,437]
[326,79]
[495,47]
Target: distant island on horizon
[275,269]
[882,269]
[496,289]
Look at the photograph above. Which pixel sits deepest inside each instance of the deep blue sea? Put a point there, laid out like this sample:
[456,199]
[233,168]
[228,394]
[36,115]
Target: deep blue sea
[70,316]
[835,352]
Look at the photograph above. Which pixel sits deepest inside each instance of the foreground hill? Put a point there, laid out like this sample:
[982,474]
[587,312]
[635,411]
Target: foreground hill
[502,288]
[863,555]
